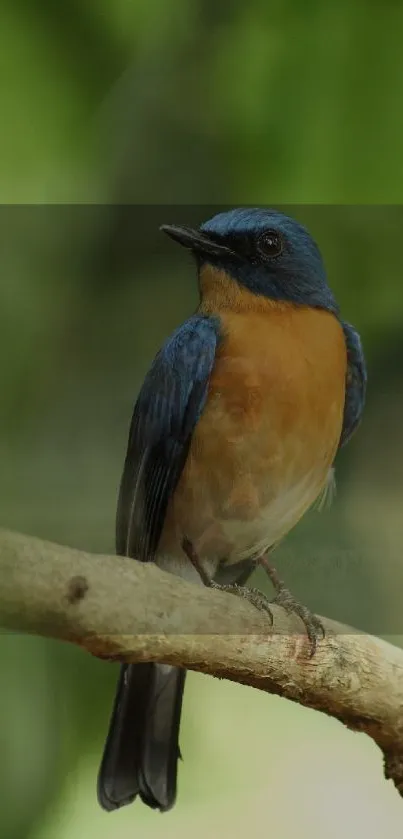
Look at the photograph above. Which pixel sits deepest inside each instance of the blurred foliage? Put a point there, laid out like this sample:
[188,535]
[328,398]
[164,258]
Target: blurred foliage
[143,113]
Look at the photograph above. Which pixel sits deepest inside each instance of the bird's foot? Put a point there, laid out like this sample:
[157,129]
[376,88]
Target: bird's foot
[314,628]
[252,595]
[284,598]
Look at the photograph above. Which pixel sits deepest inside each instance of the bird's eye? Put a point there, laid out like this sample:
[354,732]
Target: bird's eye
[270,243]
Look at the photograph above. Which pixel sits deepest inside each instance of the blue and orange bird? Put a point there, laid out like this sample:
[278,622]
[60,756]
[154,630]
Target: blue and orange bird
[232,439]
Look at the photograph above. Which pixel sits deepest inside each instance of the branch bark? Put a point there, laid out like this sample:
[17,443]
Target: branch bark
[129,611]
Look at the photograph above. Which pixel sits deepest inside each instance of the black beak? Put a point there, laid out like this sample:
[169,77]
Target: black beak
[196,241]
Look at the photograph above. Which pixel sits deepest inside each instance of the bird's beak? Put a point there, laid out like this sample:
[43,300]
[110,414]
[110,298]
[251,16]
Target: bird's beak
[196,241]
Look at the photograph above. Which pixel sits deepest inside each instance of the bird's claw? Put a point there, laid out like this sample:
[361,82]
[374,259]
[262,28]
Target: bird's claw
[314,628]
[252,595]
[284,598]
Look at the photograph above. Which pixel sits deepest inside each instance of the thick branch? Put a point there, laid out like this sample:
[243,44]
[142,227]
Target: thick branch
[122,609]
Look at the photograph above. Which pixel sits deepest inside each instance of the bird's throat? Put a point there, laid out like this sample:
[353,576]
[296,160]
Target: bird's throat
[220,292]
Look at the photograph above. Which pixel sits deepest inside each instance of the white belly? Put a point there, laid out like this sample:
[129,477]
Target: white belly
[249,539]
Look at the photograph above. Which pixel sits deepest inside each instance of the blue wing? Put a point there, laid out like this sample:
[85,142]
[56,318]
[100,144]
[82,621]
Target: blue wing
[168,407]
[356,383]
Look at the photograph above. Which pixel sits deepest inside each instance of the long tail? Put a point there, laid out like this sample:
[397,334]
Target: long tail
[142,748]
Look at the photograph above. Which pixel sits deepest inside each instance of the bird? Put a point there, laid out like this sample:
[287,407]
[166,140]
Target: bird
[233,438]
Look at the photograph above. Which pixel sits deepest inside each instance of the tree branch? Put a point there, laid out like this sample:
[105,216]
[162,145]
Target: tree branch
[125,610]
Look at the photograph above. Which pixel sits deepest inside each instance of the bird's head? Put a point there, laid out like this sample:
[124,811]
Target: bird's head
[264,251]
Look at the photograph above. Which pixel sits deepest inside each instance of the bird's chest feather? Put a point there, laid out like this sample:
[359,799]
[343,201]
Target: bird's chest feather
[263,447]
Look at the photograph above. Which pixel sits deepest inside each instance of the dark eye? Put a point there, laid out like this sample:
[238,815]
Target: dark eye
[270,243]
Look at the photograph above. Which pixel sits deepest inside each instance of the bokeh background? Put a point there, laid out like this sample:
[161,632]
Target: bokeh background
[117,117]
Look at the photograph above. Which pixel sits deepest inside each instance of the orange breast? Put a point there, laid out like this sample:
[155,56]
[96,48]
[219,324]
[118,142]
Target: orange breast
[262,450]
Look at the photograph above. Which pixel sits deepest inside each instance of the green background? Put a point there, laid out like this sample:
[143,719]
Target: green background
[178,110]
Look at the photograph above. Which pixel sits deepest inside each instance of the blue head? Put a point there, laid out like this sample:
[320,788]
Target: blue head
[267,252]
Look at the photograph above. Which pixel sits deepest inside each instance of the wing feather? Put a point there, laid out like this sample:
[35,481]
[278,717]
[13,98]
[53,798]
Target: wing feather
[356,383]
[167,410]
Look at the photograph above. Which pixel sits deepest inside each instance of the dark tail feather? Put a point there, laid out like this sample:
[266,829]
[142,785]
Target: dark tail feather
[160,752]
[141,750]
[118,775]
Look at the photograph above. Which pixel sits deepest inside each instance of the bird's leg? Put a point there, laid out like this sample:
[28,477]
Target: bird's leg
[191,554]
[253,595]
[284,598]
